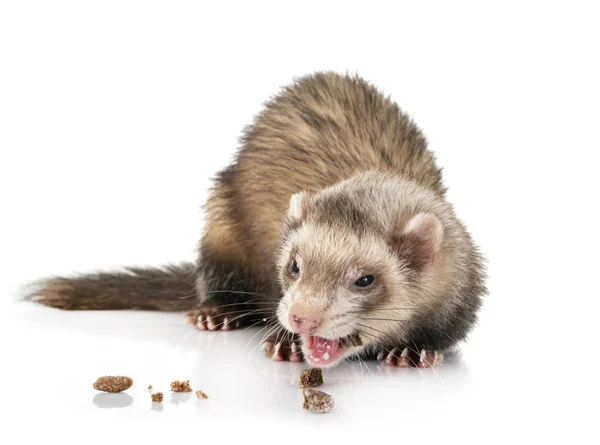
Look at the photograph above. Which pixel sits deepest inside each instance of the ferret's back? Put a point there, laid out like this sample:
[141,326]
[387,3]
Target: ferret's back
[327,127]
[322,129]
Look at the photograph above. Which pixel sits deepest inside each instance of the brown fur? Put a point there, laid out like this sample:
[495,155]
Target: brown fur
[318,135]
[166,289]
[323,129]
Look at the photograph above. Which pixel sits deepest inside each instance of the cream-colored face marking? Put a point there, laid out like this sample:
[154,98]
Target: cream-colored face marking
[370,224]
[329,264]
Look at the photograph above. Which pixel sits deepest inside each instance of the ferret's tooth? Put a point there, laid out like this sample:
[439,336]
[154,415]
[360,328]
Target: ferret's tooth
[225,325]
[404,352]
[294,347]
[380,355]
[423,355]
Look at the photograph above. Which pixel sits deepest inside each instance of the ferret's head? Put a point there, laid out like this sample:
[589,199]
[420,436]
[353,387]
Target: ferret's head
[359,263]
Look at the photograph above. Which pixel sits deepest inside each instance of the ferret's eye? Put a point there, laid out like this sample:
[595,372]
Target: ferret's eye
[294,267]
[365,281]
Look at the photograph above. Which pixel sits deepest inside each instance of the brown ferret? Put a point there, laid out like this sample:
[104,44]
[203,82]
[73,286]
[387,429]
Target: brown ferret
[332,224]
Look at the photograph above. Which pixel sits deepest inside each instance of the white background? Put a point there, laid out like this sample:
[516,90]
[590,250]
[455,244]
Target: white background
[114,116]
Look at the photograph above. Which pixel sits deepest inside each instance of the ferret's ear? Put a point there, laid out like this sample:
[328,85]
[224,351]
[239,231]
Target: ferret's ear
[419,241]
[298,208]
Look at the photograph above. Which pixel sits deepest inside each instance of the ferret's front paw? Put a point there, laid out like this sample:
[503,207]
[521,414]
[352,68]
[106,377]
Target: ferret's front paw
[405,357]
[213,318]
[283,350]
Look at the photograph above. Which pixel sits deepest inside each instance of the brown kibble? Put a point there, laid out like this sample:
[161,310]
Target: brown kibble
[157,397]
[317,401]
[201,395]
[113,383]
[178,386]
[311,377]
[150,387]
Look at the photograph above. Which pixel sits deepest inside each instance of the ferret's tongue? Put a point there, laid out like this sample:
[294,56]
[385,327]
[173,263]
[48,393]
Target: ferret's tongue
[322,350]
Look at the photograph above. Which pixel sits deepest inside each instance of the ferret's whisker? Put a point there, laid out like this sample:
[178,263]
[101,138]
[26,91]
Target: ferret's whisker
[275,332]
[371,336]
[256,294]
[271,329]
[374,329]
[400,321]
[392,309]
[251,311]
[416,351]
[245,313]
[254,324]
[360,360]
[274,328]
[281,331]
[268,325]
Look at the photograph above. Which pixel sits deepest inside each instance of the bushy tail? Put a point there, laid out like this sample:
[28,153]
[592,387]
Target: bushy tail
[170,288]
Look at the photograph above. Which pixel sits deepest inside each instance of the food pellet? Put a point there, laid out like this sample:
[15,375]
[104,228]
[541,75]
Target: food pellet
[317,401]
[311,377]
[113,383]
[150,387]
[157,397]
[201,395]
[178,386]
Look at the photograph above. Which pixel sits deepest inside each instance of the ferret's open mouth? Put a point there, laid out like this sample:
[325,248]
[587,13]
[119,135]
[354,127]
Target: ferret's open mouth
[321,351]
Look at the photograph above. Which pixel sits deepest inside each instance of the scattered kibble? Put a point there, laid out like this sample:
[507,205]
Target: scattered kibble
[178,386]
[201,395]
[317,401]
[113,383]
[314,400]
[311,377]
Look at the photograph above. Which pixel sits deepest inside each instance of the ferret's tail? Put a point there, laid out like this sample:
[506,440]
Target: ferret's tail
[170,288]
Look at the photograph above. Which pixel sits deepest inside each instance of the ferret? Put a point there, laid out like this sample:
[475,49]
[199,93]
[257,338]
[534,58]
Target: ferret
[330,228]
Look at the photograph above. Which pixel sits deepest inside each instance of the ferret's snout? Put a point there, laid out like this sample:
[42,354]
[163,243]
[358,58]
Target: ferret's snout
[303,320]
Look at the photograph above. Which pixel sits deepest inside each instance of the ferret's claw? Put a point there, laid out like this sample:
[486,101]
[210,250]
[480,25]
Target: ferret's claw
[201,323]
[213,318]
[430,359]
[391,357]
[210,323]
[404,357]
[282,351]
[404,360]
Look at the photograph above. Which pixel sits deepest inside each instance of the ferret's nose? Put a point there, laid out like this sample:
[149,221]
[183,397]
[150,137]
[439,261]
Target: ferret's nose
[303,321]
